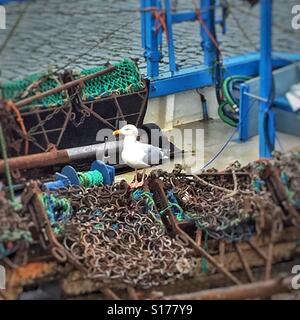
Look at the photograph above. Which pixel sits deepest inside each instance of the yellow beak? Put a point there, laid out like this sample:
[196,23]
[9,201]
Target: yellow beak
[116,132]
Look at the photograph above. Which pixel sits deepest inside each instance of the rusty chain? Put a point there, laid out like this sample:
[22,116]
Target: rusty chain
[115,238]
[15,236]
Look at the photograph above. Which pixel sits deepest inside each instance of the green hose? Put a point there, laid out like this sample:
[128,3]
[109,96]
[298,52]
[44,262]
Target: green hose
[226,88]
[230,101]
[224,117]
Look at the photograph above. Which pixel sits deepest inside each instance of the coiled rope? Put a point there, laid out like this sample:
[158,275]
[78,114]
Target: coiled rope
[90,178]
[59,211]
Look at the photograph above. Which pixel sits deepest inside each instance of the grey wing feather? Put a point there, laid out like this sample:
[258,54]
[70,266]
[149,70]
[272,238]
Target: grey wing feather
[153,154]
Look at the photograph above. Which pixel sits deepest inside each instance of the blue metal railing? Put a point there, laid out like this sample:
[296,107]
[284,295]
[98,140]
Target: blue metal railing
[266,120]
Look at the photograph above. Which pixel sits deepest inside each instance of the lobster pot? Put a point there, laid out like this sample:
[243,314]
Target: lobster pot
[74,117]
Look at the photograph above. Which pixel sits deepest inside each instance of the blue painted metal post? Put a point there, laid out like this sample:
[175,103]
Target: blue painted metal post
[171,49]
[208,17]
[150,37]
[266,127]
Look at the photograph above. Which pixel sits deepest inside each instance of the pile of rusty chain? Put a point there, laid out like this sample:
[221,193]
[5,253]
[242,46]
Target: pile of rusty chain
[15,236]
[281,179]
[289,166]
[224,206]
[117,241]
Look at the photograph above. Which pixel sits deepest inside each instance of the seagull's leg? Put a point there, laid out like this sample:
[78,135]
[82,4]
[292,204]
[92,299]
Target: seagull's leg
[135,181]
[144,175]
[135,175]
[141,183]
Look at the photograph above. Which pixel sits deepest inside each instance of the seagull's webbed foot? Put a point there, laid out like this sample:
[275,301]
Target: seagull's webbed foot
[134,185]
[137,184]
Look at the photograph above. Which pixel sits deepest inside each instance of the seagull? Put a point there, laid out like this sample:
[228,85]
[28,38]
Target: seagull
[138,155]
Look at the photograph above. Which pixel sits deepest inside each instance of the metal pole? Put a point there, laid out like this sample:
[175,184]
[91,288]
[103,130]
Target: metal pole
[150,37]
[261,289]
[266,127]
[208,17]
[65,86]
[40,160]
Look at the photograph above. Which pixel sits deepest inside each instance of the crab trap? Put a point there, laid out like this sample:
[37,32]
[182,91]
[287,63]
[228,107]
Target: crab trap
[64,110]
[230,234]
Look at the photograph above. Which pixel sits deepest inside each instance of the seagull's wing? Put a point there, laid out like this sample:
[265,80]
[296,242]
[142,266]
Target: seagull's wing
[152,154]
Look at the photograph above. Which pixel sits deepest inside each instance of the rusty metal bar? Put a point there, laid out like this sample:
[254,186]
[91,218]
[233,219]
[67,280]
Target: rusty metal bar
[261,289]
[244,262]
[220,174]
[49,242]
[208,257]
[142,110]
[257,250]
[36,160]
[198,237]
[97,116]
[66,86]
[43,129]
[57,157]
[109,294]
[132,293]
[222,252]
[199,242]
[118,106]
[269,261]
[278,191]
[157,187]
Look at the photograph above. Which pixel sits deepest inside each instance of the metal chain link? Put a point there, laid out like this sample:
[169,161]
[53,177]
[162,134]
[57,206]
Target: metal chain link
[116,239]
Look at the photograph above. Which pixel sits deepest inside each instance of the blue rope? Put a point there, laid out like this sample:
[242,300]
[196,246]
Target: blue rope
[177,210]
[257,184]
[59,211]
[150,203]
[203,259]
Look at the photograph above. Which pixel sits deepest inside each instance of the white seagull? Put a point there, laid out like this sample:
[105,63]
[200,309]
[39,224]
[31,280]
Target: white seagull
[138,155]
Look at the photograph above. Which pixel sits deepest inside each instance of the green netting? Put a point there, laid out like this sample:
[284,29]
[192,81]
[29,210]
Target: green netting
[31,85]
[11,90]
[126,78]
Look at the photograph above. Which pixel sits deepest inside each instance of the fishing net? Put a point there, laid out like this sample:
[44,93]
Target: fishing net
[126,78]
[31,85]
